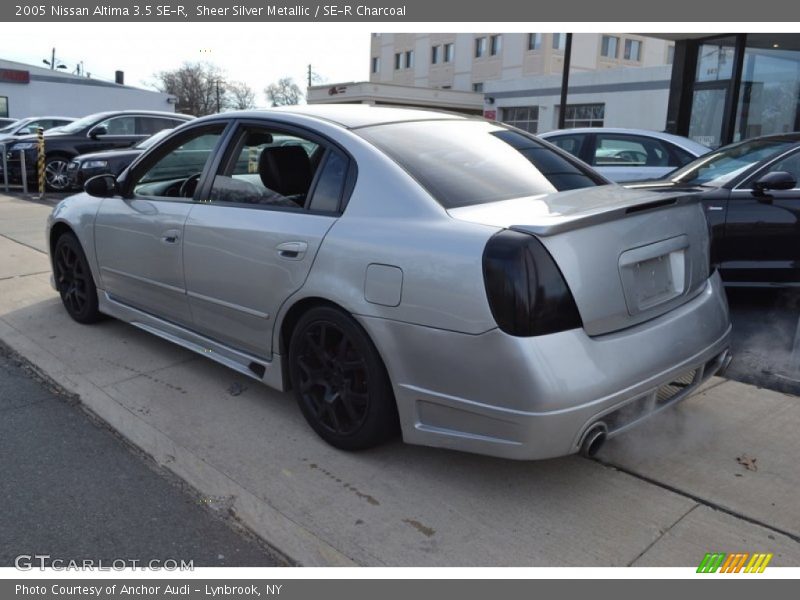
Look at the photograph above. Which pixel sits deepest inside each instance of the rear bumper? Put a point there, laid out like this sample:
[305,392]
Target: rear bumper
[534,398]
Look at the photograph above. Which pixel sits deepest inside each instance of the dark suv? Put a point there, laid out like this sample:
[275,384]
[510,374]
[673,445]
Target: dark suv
[100,131]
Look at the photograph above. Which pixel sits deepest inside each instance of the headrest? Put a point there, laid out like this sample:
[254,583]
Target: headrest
[285,169]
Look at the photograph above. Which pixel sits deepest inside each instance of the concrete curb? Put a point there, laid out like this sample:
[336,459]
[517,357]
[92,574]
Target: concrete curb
[289,538]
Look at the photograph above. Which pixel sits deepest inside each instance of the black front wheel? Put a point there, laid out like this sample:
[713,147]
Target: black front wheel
[74,280]
[340,382]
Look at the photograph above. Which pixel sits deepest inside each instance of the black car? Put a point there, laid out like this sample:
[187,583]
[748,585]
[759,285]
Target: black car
[751,197]
[110,162]
[99,131]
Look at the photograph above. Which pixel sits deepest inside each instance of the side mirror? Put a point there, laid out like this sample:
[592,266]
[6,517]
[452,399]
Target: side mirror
[101,186]
[95,132]
[775,180]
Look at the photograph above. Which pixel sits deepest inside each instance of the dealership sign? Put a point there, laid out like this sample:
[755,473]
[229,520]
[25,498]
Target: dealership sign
[14,76]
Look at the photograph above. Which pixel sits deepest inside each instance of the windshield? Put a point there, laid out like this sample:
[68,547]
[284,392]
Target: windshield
[718,168]
[461,163]
[10,127]
[83,123]
[146,143]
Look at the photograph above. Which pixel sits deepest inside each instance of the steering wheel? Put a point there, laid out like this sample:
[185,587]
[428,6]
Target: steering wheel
[189,186]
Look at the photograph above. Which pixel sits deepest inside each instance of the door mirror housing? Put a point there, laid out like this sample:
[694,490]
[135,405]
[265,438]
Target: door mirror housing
[774,180]
[96,132]
[101,186]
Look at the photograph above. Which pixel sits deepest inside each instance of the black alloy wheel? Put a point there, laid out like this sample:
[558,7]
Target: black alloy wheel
[74,280]
[340,382]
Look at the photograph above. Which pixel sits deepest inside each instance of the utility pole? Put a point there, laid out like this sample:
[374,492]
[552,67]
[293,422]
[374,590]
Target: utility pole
[309,75]
[218,107]
[53,60]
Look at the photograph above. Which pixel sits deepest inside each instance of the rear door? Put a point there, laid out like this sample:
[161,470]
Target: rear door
[251,243]
[762,232]
[139,238]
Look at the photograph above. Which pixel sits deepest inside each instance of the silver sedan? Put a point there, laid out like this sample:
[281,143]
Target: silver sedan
[455,280]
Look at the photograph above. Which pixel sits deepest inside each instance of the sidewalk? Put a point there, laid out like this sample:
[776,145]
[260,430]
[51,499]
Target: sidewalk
[660,496]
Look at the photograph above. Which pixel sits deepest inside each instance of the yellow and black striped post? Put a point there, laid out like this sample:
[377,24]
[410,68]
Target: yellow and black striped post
[40,165]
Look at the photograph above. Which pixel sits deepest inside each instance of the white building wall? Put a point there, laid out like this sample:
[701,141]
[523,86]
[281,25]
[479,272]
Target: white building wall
[633,97]
[54,93]
[69,100]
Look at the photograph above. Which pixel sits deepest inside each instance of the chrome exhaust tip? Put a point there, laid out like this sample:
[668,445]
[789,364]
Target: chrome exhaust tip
[593,440]
[724,363]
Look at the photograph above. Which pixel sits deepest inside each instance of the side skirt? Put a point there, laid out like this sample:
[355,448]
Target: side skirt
[268,372]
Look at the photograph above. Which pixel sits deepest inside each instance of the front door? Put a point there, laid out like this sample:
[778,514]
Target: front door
[139,237]
[762,232]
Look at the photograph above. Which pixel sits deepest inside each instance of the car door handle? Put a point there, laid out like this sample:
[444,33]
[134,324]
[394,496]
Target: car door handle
[714,208]
[292,250]
[171,237]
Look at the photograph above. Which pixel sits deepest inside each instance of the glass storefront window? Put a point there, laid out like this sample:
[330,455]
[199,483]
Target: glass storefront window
[715,59]
[769,95]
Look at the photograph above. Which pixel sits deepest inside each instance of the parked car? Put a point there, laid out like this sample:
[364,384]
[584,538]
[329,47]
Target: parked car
[627,154]
[29,126]
[751,197]
[405,269]
[99,131]
[111,162]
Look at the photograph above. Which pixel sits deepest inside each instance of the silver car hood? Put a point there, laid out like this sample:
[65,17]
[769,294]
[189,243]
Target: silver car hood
[627,255]
[549,214]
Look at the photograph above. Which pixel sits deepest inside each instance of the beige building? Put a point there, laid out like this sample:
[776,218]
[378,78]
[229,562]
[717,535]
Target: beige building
[466,61]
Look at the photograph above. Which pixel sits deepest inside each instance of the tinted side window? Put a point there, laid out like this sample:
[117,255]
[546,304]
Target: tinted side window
[328,193]
[267,167]
[151,125]
[120,126]
[175,170]
[790,164]
[569,143]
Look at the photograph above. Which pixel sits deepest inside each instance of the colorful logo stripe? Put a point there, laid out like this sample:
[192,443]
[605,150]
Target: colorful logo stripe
[734,563]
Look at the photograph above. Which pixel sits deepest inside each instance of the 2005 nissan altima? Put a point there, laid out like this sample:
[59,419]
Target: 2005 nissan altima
[455,279]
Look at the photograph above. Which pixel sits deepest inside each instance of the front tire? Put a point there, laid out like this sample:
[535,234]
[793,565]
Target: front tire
[74,280]
[340,382]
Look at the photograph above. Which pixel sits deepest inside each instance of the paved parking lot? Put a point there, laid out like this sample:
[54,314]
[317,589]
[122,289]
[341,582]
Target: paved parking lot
[717,473]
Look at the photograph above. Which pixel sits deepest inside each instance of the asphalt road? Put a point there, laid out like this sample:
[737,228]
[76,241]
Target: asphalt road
[71,489]
[766,338]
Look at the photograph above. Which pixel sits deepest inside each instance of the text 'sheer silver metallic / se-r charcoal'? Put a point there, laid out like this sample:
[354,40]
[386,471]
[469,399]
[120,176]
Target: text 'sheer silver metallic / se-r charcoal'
[459,280]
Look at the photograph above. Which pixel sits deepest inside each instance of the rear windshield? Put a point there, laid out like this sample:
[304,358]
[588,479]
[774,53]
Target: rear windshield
[461,163]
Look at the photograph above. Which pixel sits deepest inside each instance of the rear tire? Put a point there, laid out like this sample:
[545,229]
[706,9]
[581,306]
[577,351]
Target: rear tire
[55,173]
[340,382]
[74,280]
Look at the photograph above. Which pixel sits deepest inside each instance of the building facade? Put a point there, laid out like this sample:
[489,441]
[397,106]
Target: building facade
[635,98]
[726,88]
[365,92]
[469,61]
[27,90]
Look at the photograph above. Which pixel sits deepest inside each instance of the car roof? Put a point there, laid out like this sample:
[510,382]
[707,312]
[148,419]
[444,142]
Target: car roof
[156,113]
[683,142]
[352,116]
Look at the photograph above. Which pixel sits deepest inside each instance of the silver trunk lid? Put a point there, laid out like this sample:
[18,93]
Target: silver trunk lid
[627,255]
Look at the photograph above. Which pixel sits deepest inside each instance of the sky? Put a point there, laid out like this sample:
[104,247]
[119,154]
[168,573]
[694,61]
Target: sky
[255,53]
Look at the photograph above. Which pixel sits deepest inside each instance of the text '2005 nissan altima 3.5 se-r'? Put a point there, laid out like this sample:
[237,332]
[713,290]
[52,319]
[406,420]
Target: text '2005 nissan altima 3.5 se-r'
[459,280]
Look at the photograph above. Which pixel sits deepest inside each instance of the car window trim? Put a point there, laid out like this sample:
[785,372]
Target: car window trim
[149,157]
[324,142]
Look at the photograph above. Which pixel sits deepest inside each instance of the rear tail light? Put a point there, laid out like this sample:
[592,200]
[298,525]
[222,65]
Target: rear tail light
[526,291]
